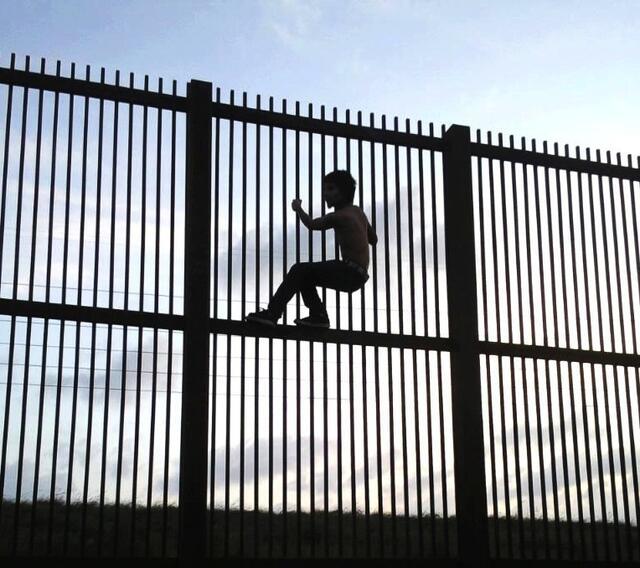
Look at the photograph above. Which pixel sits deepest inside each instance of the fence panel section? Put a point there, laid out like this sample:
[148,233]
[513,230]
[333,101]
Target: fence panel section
[557,265]
[90,438]
[325,450]
[259,168]
[92,200]
[319,449]
[91,216]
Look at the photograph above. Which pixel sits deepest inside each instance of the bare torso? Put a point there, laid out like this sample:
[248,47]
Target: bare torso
[351,231]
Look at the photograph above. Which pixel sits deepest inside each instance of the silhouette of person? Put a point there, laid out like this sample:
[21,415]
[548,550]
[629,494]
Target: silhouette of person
[353,234]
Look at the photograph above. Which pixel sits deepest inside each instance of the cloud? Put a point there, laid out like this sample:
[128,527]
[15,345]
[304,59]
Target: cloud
[292,22]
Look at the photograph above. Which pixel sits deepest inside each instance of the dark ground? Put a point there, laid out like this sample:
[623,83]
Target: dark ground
[295,536]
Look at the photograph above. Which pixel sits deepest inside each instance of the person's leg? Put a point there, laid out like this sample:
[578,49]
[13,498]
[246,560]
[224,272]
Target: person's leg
[300,278]
[329,274]
[310,297]
[305,277]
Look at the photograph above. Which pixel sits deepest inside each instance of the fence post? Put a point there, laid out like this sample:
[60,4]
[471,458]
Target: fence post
[195,370]
[471,487]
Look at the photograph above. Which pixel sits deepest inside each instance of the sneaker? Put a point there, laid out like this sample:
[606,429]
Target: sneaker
[264,317]
[313,321]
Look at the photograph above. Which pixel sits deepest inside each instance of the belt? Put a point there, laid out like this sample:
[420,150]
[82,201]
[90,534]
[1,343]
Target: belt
[357,268]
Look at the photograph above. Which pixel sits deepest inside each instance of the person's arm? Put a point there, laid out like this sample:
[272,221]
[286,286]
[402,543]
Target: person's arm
[323,223]
[371,234]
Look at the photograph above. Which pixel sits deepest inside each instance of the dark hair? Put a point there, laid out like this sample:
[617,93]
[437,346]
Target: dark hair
[343,180]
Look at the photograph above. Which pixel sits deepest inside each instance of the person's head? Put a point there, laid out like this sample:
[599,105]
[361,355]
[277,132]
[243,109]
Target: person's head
[338,188]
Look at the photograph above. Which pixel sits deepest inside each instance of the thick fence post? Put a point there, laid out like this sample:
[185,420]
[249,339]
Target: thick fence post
[195,379]
[471,490]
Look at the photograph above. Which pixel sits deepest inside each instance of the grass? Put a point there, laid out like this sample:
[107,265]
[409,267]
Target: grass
[123,532]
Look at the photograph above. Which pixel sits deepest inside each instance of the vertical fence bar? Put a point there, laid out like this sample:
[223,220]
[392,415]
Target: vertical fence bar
[325,402]
[512,372]
[216,256]
[5,174]
[112,238]
[599,309]
[485,327]
[493,189]
[62,323]
[376,351]
[365,421]
[156,279]
[285,466]
[574,431]
[634,455]
[626,241]
[125,359]
[338,392]
[312,447]
[443,468]
[471,506]
[136,426]
[242,339]
[403,405]
[412,288]
[96,256]
[618,280]
[522,547]
[256,454]
[298,364]
[572,406]
[392,461]
[227,449]
[434,232]
[25,374]
[585,419]
[612,340]
[554,302]
[23,137]
[270,344]
[78,326]
[41,394]
[172,222]
[559,365]
[520,322]
[193,444]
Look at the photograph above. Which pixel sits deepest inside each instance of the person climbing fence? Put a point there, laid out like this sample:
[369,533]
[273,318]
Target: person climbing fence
[353,233]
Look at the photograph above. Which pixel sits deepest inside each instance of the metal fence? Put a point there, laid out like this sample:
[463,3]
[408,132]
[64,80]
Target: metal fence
[477,401]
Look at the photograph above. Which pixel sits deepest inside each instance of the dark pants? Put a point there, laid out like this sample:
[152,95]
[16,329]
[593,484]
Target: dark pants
[303,277]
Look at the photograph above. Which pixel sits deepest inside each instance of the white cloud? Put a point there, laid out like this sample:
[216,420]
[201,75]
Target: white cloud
[293,21]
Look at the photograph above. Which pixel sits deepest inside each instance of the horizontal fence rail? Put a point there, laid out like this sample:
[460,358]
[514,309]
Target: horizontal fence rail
[475,403]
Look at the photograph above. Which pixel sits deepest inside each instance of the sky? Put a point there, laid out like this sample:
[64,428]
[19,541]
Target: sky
[557,71]
[560,71]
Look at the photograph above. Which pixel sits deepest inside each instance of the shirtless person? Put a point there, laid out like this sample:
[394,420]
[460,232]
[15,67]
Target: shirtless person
[354,233]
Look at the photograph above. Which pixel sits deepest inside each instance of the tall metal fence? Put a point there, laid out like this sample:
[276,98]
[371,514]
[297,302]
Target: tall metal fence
[476,402]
